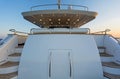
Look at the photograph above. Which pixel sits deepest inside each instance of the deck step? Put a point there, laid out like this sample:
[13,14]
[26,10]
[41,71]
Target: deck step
[8,76]
[20,46]
[111,76]
[101,49]
[9,67]
[14,58]
[105,55]
[18,50]
[15,55]
[9,64]
[111,68]
[111,64]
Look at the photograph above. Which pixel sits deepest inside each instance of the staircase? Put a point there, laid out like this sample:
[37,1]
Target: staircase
[110,68]
[8,70]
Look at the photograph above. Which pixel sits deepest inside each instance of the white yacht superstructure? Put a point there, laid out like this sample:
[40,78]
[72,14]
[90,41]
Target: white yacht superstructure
[59,49]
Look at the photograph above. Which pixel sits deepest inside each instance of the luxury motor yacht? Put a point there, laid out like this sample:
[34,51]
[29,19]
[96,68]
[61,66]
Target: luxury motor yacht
[59,48]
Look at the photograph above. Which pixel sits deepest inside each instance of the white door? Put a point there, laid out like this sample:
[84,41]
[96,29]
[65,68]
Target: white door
[60,65]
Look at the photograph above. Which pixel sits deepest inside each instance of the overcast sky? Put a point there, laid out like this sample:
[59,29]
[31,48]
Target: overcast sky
[108,14]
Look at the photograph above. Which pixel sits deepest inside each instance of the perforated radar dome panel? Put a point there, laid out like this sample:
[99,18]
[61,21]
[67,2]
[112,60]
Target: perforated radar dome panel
[59,18]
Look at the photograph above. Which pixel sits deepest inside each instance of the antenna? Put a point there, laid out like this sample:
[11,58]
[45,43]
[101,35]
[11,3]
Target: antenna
[59,3]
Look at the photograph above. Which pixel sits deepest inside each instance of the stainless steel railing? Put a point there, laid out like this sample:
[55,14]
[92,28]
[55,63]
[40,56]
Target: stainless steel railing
[18,32]
[102,32]
[115,39]
[59,6]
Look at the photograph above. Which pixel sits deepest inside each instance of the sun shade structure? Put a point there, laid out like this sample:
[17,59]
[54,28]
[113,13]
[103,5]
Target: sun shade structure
[60,18]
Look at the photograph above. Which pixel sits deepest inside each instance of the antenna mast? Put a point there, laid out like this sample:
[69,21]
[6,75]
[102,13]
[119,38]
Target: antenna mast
[59,3]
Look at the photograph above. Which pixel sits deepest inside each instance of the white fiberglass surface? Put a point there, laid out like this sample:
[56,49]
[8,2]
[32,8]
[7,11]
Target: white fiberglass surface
[84,57]
[59,66]
[112,48]
[7,47]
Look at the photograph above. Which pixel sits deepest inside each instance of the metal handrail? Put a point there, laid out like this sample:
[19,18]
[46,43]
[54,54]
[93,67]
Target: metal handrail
[102,32]
[89,31]
[118,41]
[117,37]
[15,32]
[69,5]
[114,38]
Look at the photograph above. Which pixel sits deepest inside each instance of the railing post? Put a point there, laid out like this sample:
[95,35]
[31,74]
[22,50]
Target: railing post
[59,6]
[107,30]
[59,3]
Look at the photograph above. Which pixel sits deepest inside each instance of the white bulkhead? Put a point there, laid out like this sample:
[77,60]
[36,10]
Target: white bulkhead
[60,56]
